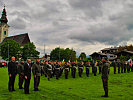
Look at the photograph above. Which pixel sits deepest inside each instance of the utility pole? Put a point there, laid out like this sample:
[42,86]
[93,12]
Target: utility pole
[59,53]
[44,50]
[8,51]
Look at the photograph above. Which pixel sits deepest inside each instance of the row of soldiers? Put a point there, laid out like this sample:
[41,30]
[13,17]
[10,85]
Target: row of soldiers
[51,69]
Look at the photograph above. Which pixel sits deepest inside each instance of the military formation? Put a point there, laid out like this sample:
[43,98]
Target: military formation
[55,69]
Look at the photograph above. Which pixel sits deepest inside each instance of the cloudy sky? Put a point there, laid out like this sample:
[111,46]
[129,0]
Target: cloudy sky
[84,25]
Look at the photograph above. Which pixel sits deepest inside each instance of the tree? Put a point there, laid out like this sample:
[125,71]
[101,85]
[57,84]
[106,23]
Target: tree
[61,53]
[10,48]
[29,50]
[82,56]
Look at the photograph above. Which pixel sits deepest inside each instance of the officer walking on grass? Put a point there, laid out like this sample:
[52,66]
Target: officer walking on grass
[105,75]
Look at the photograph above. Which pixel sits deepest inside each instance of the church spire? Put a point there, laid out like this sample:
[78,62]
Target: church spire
[3,16]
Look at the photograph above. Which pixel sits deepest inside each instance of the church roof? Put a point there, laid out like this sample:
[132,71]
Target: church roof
[22,39]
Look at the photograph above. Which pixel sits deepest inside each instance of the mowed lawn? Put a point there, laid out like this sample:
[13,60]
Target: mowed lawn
[89,88]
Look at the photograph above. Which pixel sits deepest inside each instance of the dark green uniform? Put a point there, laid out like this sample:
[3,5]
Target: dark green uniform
[36,69]
[21,74]
[66,66]
[80,67]
[119,65]
[49,71]
[57,71]
[105,77]
[74,65]
[114,65]
[87,65]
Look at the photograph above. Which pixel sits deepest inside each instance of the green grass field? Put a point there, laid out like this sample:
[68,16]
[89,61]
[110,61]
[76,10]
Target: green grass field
[89,88]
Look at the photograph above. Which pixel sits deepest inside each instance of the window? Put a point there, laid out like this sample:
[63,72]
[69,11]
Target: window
[4,32]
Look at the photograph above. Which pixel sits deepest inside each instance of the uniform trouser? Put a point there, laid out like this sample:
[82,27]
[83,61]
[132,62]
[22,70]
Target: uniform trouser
[131,68]
[57,73]
[87,72]
[118,69]
[49,74]
[36,82]
[122,69]
[21,80]
[95,71]
[114,69]
[99,70]
[73,72]
[128,69]
[66,74]
[80,72]
[11,83]
[26,85]
[105,85]
[61,72]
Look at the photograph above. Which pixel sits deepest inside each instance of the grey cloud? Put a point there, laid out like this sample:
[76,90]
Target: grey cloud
[92,8]
[18,24]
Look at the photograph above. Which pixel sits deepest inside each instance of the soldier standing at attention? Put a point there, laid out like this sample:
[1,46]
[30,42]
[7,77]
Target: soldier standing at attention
[36,69]
[67,65]
[114,65]
[87,65]
[12,71]
[119,65]
[95,68]
[105,76]
[57,70]
[27,74]
[74,65]
[80,67]
[21,73]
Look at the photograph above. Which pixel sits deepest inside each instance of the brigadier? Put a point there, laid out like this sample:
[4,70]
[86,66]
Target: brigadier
[27,74]
[105,76]
[12,71]
[21,73]
[36,70]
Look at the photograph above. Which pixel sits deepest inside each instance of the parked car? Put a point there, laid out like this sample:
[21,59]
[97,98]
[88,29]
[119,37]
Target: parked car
[3,63]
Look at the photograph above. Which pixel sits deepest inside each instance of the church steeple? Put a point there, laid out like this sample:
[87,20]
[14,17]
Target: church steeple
[3,17]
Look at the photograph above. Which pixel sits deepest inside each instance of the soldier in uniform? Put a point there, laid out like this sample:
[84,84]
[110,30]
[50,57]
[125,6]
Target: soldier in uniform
[119,65]
[12,71]
[49,70]
[92,64]
[66,66]
[128,67]
[100,66]
[125,66]
[114,65]
[95,68]
[73,69]
[42,67]
[27,74]
[36,69]
[57,70]
[21,73]
[105,76]
[80,67]
[122,66]
[87,65]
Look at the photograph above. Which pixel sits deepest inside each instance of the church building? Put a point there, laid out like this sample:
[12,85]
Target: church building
[22,39]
